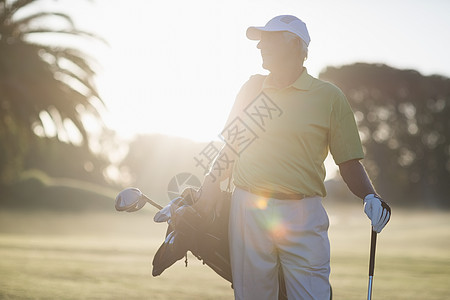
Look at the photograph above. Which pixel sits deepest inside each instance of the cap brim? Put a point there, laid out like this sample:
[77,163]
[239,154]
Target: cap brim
[254,33]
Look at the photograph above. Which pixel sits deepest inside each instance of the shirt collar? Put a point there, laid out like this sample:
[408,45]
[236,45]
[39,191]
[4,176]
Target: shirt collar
[303,82]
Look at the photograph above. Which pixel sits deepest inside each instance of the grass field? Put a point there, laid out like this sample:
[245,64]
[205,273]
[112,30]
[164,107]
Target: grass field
[55,255]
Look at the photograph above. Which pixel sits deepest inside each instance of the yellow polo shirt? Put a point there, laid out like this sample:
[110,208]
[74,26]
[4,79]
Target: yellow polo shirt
[289,132]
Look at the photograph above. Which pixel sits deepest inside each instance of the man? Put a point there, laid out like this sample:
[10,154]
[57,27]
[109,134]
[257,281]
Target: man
[276,140]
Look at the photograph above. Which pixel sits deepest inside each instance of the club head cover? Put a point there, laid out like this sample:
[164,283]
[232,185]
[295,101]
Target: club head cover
[164,214]
[190,195]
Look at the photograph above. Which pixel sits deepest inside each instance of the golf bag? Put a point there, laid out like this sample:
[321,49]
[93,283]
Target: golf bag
[205,238]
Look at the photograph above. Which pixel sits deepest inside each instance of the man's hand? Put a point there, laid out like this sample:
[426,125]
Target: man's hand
[378,211]
[207,197]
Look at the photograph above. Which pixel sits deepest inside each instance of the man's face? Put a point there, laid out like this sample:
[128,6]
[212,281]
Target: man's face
[276,50]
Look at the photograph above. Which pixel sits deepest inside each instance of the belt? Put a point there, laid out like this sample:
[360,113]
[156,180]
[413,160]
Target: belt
[276,195]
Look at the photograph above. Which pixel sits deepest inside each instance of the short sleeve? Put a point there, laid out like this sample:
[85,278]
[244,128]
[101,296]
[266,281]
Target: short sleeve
[344,140]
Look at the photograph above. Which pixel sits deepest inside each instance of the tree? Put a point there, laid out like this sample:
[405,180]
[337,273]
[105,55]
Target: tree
[404,123]
[40,83]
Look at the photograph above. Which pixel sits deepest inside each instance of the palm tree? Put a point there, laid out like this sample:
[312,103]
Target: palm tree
[38,80]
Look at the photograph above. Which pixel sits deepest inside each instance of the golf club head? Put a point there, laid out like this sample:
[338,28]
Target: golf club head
[130,199]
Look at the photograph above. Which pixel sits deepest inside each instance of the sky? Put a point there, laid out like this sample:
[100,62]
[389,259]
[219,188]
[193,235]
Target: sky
[175,67]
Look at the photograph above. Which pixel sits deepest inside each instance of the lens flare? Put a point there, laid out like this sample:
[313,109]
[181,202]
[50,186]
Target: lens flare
[261,203]
[273,222]
[276,227]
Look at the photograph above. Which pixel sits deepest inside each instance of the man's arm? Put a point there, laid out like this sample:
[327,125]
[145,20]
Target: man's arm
[220,170]
[357,180]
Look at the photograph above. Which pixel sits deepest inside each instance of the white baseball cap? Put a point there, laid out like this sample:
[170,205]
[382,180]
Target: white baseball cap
[282,23]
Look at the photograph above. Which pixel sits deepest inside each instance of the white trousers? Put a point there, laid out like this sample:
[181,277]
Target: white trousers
[266,233]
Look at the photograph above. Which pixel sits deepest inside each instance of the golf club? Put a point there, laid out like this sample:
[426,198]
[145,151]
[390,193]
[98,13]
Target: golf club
[132,199]
[373,244]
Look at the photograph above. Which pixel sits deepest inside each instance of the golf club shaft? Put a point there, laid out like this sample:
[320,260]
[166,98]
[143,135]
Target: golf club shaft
[152,202]
[373,244]
[369,293]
